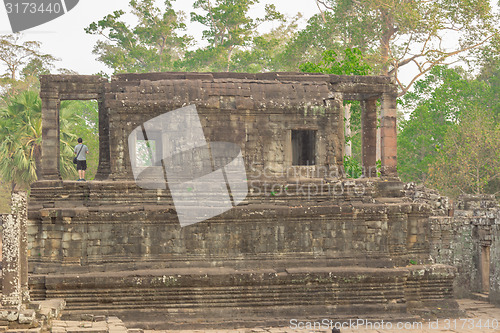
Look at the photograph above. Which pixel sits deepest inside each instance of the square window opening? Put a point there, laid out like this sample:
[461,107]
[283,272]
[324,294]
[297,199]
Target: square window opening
[148,150]
[145,153]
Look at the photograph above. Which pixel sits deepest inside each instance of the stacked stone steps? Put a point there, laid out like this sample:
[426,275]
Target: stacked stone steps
[102,193]
[146,300]
[484,297]
[122,300]
[189,320]
[162,262]
[192,294]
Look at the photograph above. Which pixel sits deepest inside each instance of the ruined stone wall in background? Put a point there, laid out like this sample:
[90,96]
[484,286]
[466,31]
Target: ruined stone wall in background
[465,234]
[495,268]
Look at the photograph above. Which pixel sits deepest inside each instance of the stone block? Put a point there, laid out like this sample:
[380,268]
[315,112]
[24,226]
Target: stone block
[27,316]
[66,236]
[76,236]
[9,314]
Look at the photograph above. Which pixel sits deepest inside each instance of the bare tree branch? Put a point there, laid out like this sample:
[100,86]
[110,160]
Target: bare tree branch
[321,11]
[326,6]
[444,56]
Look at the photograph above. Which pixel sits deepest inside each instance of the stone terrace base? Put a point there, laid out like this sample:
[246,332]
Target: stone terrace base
[111,248]
[207,297]
[76,227]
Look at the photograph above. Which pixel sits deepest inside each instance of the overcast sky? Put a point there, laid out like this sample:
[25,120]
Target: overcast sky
[65,38]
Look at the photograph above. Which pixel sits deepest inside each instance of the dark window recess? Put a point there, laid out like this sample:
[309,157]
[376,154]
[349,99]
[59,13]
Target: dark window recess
[303,147]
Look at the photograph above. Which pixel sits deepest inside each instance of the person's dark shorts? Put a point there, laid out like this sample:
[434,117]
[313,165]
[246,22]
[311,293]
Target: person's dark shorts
[81,165]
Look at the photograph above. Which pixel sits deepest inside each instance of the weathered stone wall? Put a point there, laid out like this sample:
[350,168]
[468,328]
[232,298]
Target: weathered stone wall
[120,248]
[15,293]
[466,235]
[255,111]
[103,223]
[494,295]
[257,115]
[481,214]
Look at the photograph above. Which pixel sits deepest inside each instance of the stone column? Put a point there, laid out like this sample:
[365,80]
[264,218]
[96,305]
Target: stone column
[19,211]
[11,282]
[104,168]
[50,132]
[388,140]
[369,137]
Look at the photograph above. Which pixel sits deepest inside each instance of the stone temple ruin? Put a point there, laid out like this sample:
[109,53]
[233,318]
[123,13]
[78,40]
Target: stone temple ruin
[306,242]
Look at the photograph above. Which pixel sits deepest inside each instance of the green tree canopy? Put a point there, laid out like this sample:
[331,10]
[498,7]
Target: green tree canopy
[403,32]
[24,63]
[308,44]
[438,103]
[469,160]
[229,28]
[14,54]
[350,63]
[151,46]
[264,53]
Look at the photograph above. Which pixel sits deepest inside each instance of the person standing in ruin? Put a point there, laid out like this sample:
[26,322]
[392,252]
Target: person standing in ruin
[81,152]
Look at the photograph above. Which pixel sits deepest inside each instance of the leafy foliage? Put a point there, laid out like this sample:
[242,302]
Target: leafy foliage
[229,31]
[308,44]
[79,119]
[153,45]
[402,32]
[264,53]
[438,102]
[469,161]
[352,167]
[24,63]
[20,137]
[14,54]
[352,63]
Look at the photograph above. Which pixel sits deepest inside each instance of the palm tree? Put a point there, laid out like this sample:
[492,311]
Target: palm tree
[21,138]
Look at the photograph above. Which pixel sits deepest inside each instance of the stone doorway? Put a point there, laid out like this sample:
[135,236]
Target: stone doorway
[485,269]
[70,131]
